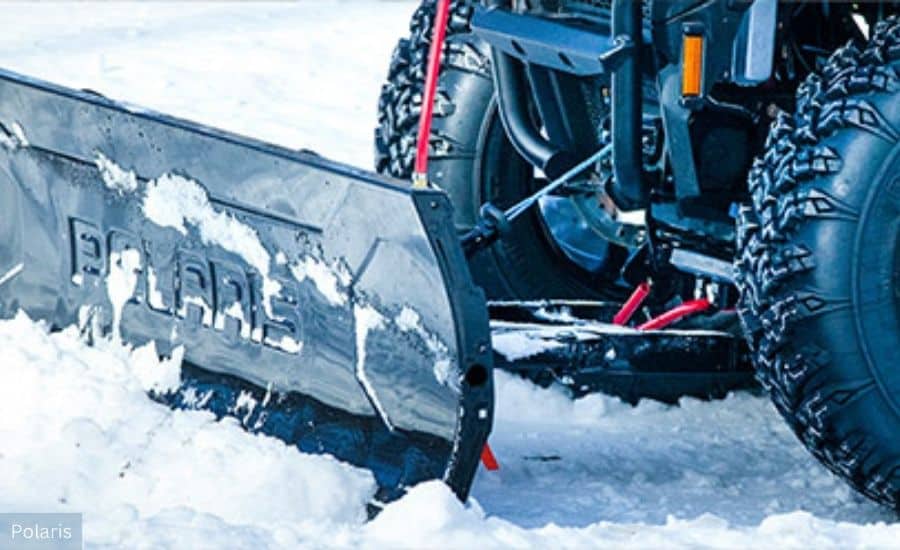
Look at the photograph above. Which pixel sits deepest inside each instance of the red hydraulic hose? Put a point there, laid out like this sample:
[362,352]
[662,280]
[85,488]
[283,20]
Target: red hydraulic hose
[439,32]
[630,306]
[665,319]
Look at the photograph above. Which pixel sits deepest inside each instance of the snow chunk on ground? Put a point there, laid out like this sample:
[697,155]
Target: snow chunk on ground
[81,435]
[521,402]
[157,376]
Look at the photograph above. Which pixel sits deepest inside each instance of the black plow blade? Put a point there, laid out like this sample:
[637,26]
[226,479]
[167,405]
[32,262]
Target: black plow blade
[326,306]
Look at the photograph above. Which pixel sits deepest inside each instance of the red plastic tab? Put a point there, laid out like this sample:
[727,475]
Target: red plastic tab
[488,458]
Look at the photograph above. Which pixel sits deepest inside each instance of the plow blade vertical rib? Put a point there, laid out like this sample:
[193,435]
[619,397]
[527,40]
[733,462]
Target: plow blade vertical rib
[321,304]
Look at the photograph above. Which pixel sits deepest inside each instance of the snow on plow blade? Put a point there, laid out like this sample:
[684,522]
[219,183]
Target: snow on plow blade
[326,306]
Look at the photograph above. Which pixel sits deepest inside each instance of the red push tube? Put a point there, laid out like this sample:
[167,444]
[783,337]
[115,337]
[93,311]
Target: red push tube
[439,32]
[632,304]
[665,319]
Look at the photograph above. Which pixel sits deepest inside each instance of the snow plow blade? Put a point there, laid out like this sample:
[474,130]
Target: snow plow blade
[320,304]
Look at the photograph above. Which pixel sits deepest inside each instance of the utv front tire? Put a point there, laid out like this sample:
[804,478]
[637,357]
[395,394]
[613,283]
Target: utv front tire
[819,265]
[473,161]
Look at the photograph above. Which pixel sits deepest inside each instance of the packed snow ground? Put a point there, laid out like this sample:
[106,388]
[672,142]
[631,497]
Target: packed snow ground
[78,434]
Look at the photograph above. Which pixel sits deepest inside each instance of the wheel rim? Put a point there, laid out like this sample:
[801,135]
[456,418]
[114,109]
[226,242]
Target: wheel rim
[572,234]
[591,262]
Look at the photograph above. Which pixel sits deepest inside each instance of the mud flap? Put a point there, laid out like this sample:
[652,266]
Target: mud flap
[324,305]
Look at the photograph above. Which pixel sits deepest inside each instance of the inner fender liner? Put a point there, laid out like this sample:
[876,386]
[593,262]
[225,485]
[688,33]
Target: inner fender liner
[324,305]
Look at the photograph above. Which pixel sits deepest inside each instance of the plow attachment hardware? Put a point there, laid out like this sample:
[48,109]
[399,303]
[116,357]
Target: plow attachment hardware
[579,345]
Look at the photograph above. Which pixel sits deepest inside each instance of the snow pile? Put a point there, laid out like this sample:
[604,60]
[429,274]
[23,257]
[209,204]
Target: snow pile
[80,435]
[430,516]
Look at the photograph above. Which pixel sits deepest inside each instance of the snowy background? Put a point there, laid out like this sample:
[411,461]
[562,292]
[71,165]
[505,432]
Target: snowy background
[77,433]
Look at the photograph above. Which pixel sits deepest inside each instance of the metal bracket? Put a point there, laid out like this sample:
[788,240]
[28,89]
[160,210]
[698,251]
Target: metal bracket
[566,48]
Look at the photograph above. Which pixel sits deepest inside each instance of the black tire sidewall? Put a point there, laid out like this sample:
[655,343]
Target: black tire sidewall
[818,263]
[472,160]
[875,257]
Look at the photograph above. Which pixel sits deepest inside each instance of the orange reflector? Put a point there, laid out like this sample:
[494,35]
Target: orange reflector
[692,67]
